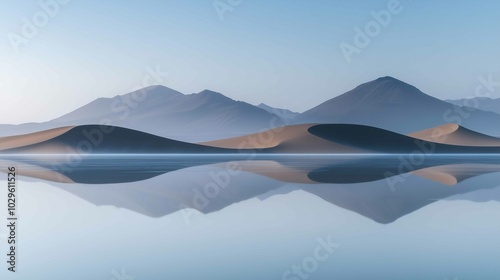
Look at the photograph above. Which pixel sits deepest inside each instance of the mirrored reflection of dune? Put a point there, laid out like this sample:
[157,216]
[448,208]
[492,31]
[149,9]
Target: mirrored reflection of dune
[455,173]
[276,170]
[192,188]
[164,186]
[183,189]
[35,171]
[108,170]
[436,175]
[385,204]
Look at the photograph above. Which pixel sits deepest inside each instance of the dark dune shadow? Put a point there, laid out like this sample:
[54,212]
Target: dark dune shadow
[384,141]
[367,169]
[115,169]
[95,139]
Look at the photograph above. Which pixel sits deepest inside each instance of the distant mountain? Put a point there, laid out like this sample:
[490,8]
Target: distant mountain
[168,113]
[283,113]
[391,104]
[162,111]
[481,103]
[385,103]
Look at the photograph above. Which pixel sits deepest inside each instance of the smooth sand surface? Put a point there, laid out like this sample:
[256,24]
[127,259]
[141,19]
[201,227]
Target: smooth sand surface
[294,138]
[87,139]
[453,134]
[305,138]
[17,141]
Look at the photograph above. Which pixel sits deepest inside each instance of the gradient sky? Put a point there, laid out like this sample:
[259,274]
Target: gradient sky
[284,53]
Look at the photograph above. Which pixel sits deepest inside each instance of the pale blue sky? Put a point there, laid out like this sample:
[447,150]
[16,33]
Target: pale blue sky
[284,53]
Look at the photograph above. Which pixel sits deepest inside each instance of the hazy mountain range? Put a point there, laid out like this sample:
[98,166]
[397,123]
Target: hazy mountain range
[481,103]
[385,103]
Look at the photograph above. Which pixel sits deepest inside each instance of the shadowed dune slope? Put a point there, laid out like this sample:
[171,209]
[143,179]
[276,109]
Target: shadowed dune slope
[310,138]
[288,139]
[107,139]
[350,138]
[384,141]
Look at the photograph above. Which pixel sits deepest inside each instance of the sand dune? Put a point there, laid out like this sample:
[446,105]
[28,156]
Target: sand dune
[12,142]
[349,138]
[453,134]
[92,139]
[289,139]
[306,138]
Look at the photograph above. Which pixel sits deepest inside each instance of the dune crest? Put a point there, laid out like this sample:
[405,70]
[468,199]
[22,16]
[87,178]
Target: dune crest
[453,134]
[17,141]
[293,138]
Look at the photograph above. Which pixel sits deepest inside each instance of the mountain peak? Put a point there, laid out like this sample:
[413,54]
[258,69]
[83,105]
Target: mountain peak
[210,92]
[213,95]
[390,80]
[386,89]
[384,103]
[283,113]
[159,89]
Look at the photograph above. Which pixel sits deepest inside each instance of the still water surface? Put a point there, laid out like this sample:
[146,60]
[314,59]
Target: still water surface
[268,217]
